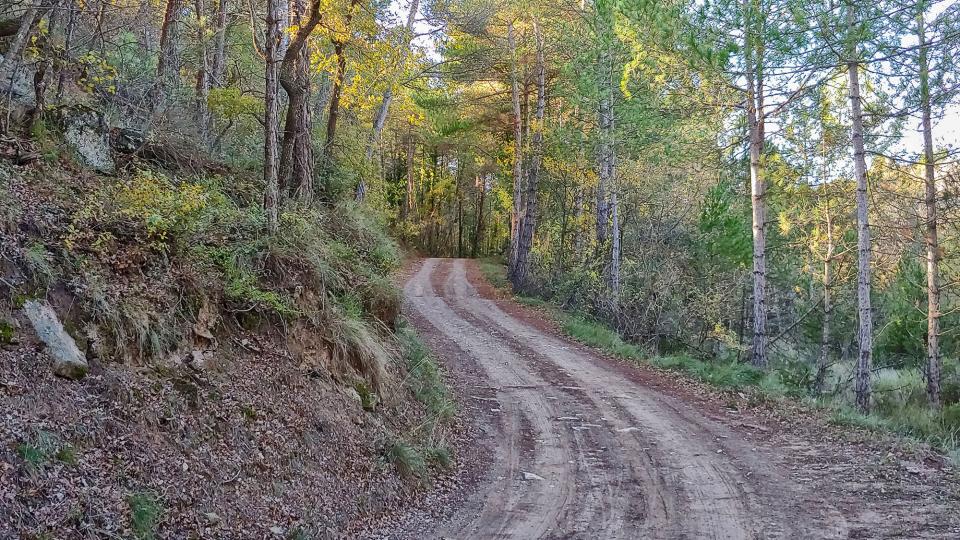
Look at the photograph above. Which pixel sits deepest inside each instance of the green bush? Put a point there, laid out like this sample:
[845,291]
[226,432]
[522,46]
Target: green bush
[406,458]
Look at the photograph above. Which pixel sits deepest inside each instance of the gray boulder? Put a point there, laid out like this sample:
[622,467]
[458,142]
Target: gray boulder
[86,131]
[19,84]
[68,361]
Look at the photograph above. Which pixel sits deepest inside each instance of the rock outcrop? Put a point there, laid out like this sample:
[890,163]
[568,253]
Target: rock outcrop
[68,361]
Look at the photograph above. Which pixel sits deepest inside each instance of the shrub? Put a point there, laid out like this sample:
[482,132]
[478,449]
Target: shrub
[406,458]
[159,205]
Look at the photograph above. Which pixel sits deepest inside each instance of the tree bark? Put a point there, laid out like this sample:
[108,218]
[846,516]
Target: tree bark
[296,165]
[605,152]
[823,362]
[864,252]
[17,45]
[271,116]
[521,274]
[930,236]
[383,111]
[757,195]
[203,79]
[478,234]
[410,199]
[219,68]
[515,216]
[168,60]
[613,275]
[339,50]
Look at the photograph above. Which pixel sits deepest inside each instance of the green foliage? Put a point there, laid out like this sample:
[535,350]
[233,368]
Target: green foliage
[597,335]
[495,272]
[368,398]
[145,512]
[40,263]
[440,456]
[41,448]
[424,377]
[158,204]
[724,226]
[796,376]
[34,456]
[6,332]
[406,458]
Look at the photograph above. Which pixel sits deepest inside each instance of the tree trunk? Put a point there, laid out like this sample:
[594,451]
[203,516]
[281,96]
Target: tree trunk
[410,200]
[930,236]
[203,79]
[384,110]
[271,116]
[339,50]
[168,60]
[823,362]
[296,165]
[757,198]
[521,274]
[219,68]
[613,276]
[578,224]
[478,234]
[67,46]
[865,333]
[515,216]
[17,45]
[605,152]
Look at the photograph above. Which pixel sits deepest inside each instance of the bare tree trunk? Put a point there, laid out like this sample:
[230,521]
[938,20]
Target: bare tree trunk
[478,234]
[219,68]
[296,165]
[17,45]
[613,276]
[339,50]
[757,198]
[521,274]
[67,46]
[168,61]
[271,117]
[930,236]
[384,110]
[605,152]
[823,362]
[203,78]
[578,224]
[865,358]
[408,205]
[517,153]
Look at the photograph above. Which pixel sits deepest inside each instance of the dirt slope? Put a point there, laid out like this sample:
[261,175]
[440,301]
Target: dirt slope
[583,447]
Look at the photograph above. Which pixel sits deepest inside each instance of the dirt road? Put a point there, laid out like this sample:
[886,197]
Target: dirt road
[581,450]
[580,446]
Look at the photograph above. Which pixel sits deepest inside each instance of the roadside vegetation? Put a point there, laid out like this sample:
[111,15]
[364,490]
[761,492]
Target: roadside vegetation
[901,405]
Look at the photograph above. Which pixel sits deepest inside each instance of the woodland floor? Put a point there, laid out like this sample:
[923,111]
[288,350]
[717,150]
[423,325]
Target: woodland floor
[577,445]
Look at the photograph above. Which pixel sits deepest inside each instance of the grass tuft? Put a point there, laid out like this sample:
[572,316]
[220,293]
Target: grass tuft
[406,458]
[424,377]
[145,511]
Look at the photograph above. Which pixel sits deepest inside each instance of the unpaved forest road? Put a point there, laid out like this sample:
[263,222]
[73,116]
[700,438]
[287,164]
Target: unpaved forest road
[582,451]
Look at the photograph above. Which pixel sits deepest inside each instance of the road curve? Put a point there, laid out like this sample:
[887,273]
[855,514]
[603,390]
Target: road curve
[582,451]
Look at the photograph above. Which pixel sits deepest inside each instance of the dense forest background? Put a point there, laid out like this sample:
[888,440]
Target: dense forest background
[763,184]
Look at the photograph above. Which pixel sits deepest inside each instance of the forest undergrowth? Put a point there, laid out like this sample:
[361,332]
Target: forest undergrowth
[901,405]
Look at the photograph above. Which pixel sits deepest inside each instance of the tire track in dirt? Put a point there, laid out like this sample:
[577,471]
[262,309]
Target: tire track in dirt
[510,506]
[619,460]
[615,472]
